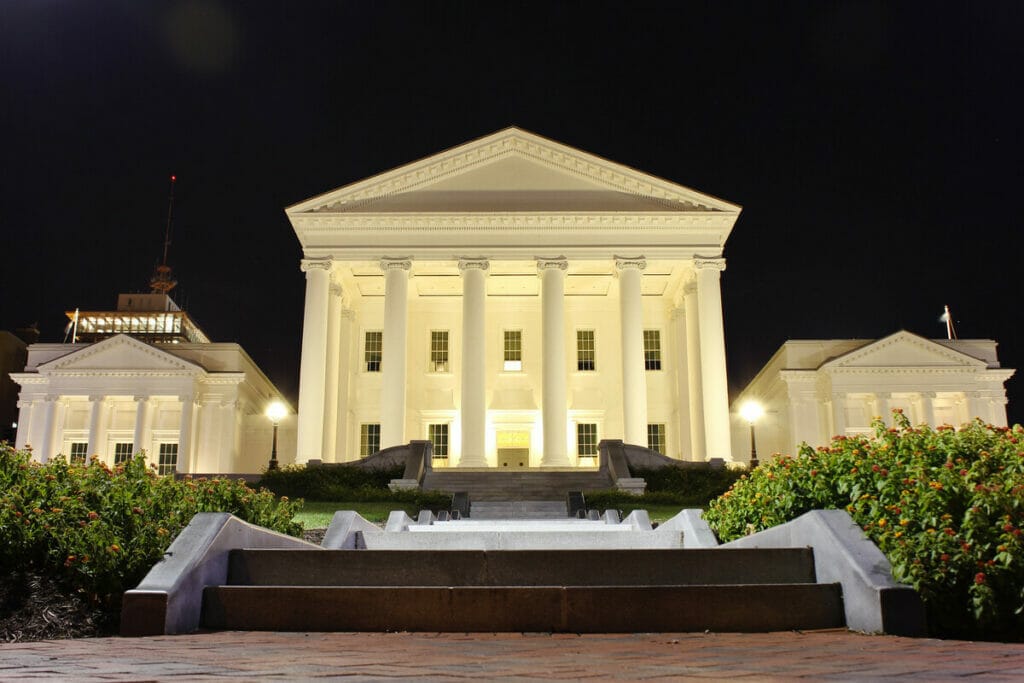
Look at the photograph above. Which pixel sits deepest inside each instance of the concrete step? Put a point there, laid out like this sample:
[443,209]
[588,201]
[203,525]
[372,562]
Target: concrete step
[585,609]
[518,509]
[521,567]
[515,485]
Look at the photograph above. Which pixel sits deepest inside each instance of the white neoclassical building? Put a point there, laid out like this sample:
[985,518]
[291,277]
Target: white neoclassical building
[146,378]
[514,301]
[813,389]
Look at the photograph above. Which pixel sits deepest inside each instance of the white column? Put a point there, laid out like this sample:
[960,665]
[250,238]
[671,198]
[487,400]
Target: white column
[392,392]
[474,356]
[185,433]
[838,415]
[698,447]
[143,426]
[46,449]
[344,449]
[927,399]
[883,406]
[227,424]
[634,376]
[24,424]
[715,382]
[682,383]
[976,406]
[334,305]
[555,409]
[313,367]
[96,406]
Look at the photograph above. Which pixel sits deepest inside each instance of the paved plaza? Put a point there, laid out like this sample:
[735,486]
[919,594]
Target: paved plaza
[821,655]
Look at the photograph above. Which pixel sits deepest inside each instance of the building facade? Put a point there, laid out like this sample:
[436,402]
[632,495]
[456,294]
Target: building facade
[147,379]
[514,301]
[813,389]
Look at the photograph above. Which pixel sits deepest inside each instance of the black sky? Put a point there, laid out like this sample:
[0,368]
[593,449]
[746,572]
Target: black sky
[876,147]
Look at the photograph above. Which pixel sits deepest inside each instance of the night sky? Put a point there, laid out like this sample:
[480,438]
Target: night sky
[876,147]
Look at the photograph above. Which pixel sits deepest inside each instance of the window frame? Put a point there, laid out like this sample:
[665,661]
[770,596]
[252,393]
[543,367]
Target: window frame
[440,432]
[83,456]
[170,467]
[582,351]
[652,352]
[435,352]
[122,455]
[658,434]
[584,440]
[378,351]
[512,356]
[369,435]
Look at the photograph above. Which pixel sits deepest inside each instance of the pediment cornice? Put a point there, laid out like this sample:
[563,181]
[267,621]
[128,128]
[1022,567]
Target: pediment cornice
[943,358]
[76,363]
[513,142]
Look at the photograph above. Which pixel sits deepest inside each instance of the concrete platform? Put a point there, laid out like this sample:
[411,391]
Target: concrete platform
[785,656]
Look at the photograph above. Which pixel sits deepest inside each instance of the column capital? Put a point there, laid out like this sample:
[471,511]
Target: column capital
[142,398]
[97,398]
[387,264]
[308,264]
[638,263]
[187,398]
[690,287]
[474,264]
[700,263]
[559,262]
[927,394]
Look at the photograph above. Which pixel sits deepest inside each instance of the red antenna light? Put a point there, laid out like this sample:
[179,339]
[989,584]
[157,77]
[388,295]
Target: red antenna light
[173,178]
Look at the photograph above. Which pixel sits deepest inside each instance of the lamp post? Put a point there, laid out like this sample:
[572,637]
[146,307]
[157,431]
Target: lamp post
[275,411]
[752,412]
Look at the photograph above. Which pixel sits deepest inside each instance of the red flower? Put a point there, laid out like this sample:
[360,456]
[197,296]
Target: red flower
[944,557]
[979,578]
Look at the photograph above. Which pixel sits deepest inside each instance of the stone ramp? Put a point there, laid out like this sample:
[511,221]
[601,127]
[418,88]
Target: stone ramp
[519,485]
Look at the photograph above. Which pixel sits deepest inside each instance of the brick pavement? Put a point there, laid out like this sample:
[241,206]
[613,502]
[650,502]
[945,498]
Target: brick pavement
[253,655]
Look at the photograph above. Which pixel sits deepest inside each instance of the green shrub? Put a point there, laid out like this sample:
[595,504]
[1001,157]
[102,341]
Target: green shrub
[330,482]
[945,506]
[98,531]
[690,485]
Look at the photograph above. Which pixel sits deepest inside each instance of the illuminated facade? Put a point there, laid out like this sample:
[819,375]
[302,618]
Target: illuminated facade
[812,389]
[191,406]
[515,301]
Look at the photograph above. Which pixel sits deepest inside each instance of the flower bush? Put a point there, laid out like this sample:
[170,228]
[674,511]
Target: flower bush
[945,506]
[98,531]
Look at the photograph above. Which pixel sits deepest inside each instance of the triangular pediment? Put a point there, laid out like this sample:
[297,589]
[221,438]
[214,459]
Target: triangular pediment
[120,354]
[513,171]
[904,350]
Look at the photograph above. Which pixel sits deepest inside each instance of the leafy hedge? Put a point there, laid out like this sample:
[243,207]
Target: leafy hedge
[98,531]
[683,486]
[945,506]
[349,483]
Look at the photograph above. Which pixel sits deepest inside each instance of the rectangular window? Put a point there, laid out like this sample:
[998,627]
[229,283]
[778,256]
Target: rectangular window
[438,435]
[79,452]
[586,440]
[369,439]
[652,350]
[439,350]
[122,452]
[168,459]
[374,349]
[513,350]
[656,437]
[585,352]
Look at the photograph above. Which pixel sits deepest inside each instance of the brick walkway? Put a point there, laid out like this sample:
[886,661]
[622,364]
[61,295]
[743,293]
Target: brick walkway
[510,657]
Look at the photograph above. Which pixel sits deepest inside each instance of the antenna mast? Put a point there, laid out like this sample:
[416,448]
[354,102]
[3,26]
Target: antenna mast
[947,318]
[162,282]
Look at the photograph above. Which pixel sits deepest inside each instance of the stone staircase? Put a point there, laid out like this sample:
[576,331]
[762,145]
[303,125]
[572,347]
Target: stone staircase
[577,591]
[521,485]
[518,509]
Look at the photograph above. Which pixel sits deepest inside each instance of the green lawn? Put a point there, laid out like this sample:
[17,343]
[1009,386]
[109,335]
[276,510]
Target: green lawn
[317,514]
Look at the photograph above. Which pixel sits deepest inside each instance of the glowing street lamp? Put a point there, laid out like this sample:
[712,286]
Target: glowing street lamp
[752,411]
[275,411]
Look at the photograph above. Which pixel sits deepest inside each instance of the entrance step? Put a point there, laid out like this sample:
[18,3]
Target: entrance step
[521,485]
[518,509]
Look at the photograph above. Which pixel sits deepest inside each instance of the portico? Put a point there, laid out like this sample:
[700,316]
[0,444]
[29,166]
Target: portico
[513,290]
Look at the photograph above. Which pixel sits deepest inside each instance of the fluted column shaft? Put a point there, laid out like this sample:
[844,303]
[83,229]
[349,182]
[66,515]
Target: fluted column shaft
[313,367]
[634,376]
[474,357]
[392,393]
[715,382]
[553,375]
